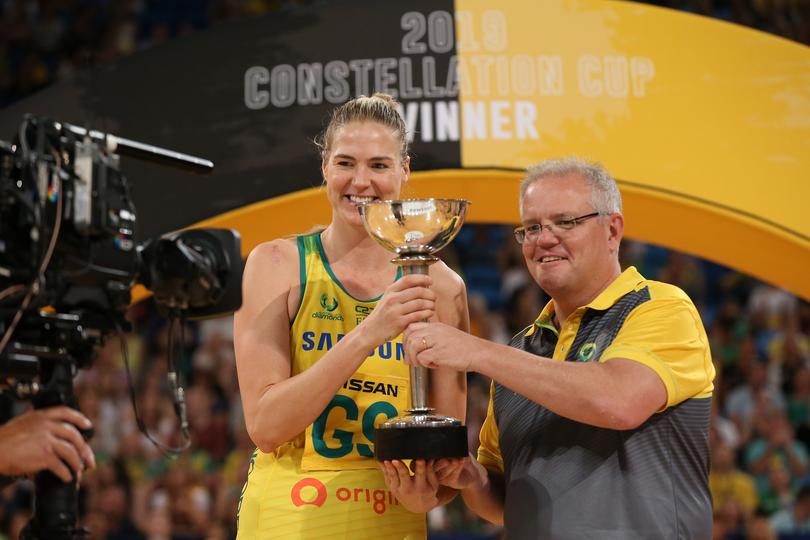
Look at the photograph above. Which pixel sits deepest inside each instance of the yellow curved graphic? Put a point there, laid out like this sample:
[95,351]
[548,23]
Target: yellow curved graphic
[739,241]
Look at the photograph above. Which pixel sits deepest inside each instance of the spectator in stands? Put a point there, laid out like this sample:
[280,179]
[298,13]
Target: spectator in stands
[776,444]
[727,482]
[796,519]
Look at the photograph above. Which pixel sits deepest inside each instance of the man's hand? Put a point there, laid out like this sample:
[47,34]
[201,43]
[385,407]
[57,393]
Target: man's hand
[459,473]
[46,439]
[439,345]
[417,493]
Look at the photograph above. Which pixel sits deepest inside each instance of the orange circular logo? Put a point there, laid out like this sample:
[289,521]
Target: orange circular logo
[295,493]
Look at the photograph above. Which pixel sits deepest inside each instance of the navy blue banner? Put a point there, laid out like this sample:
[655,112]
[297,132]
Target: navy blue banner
[251,95]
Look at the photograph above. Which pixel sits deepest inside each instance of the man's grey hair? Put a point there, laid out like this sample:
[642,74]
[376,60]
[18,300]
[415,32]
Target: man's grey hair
[605,196]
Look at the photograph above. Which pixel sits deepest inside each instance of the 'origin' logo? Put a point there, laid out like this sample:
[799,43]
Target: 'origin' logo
[379,500]
[295,492]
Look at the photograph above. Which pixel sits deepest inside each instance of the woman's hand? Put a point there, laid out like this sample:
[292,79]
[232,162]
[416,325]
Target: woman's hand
[407,300]
[417,493]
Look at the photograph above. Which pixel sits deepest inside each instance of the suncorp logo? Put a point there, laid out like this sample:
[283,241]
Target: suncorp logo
[311,491]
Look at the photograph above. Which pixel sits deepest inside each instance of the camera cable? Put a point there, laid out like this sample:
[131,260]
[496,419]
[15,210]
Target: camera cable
[178,396]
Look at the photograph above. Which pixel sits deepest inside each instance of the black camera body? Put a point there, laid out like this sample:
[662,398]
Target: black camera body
[69,257]
[63,184]
[55,185]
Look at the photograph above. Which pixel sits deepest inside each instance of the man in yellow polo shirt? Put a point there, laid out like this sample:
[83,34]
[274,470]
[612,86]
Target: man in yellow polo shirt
[599,411]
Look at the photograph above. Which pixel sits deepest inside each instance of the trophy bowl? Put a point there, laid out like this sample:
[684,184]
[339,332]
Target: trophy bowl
[421,226]
[415,229]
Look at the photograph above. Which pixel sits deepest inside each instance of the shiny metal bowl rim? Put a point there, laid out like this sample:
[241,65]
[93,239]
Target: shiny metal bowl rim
[434,199]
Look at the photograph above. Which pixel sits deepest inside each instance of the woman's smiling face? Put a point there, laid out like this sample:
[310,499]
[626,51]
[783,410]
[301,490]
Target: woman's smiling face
[364,164]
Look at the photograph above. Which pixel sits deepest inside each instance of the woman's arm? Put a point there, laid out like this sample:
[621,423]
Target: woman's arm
[277,406]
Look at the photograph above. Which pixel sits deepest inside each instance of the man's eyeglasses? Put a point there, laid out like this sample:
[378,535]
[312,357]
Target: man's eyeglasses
[557,227]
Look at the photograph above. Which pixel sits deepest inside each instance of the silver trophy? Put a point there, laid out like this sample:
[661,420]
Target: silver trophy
[415,229]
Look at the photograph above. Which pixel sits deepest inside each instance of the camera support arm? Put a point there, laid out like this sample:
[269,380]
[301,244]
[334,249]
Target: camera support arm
[143,151]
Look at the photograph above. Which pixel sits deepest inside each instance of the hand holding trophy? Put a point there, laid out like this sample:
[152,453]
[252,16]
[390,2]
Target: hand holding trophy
[415,229]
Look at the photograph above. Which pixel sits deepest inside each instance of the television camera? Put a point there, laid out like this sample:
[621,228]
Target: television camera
[69,257]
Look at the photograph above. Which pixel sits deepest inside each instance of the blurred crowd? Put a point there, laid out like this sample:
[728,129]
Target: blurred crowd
[760,336]
[44,41]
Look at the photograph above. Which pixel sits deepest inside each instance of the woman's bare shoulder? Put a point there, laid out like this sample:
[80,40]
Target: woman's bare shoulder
[281,251]
[446,280]
[278,257]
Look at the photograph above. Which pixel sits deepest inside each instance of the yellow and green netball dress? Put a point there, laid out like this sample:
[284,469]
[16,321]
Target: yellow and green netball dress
[325,483]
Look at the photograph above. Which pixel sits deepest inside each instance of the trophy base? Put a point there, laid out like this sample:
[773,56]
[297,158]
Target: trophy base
[420,435]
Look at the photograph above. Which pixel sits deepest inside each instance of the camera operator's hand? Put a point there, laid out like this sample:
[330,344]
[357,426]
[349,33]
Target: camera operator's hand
[46,439]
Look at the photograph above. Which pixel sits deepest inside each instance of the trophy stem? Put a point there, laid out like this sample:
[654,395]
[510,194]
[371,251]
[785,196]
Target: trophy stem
[417,263]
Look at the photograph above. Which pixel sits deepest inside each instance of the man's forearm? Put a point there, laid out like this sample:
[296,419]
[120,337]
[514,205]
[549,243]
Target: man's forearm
[594,393]
[486,496]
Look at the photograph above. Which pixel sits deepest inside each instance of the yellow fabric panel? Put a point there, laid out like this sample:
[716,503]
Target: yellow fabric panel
[281,501]
[489,451]
[667,335]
